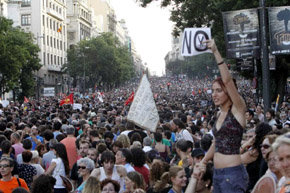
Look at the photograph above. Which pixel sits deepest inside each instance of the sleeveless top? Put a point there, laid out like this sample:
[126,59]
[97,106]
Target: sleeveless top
[115,176]
[228,138]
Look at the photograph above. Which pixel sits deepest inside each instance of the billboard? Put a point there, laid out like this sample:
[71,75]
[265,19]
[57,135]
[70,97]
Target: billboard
[241,29]
[279,30]
[48,91]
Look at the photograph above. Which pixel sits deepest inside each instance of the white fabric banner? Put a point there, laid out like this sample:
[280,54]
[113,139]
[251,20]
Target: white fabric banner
[143,111]
[77,106]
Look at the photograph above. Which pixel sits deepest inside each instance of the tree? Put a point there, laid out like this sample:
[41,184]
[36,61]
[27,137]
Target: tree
[18,58]
[102,59]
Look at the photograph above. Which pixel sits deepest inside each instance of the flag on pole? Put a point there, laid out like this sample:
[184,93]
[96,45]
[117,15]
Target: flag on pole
[59,29]
[277,103]
[67,100]
[130,99]
[26,100]
[143,111]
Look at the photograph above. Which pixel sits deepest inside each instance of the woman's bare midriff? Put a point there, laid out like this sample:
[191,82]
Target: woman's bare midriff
[225,161]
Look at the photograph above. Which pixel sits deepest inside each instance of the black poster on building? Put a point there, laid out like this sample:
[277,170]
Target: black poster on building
[279,26]
[241,29]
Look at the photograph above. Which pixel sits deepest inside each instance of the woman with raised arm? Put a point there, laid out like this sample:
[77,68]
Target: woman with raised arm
[230,175]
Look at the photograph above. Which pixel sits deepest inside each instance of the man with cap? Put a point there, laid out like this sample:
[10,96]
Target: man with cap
[70,145]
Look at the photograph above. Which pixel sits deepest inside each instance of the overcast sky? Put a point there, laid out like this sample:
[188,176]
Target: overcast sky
[149,28]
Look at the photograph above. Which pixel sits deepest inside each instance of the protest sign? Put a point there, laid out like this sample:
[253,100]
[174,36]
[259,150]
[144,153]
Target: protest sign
[192,41]
[143,111]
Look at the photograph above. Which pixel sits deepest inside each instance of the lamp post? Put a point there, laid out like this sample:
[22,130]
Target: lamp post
[1,77]
[84,70]
[265,57]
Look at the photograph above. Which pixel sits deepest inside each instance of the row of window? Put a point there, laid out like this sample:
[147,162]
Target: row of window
[54,6]
[26,3]
[54,43]
[52,59]
[85,14]
[53,25]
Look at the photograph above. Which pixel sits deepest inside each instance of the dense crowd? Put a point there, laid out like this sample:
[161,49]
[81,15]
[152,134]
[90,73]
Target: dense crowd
[45,146]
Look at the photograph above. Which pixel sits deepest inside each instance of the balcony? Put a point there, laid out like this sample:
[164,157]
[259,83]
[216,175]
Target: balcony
[55,14]
[54,68]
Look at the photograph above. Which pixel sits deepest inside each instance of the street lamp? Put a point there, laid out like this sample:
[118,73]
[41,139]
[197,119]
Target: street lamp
[1,77]
[84,71]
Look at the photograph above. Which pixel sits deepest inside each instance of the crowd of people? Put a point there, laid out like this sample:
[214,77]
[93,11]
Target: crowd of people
[211,137]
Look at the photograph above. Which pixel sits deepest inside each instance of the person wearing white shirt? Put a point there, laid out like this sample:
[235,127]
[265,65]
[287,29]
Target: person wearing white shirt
[124,157]
[181,132]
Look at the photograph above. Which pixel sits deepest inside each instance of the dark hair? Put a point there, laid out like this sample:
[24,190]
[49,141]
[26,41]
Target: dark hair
[168,134]
[27,144]
[44,184]
[206,142]
[158,137]
[61,152]
[57,126]
[48,135]
[107,181]
[107,156]
[94,133]
[262,129]
[118,144]
[19,190]
[179,123]
[139,157]
[272,112]
[109,134]
[60,137]
[127,154]
[8,159]
[250,112]
[26,156]
[136,137]
[5,146]
[182,145]
[208,174]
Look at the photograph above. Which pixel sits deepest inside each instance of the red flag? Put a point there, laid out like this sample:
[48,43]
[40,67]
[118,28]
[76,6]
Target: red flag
[130,99]
[67,100]
[26,100]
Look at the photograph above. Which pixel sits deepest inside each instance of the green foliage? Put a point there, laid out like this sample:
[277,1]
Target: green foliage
[103,59]
[18,58]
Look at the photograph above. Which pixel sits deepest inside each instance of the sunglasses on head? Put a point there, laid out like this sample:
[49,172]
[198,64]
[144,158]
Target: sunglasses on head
[265,146]
[82,167]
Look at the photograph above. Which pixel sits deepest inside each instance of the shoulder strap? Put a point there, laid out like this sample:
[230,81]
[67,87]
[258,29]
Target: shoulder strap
[18,182]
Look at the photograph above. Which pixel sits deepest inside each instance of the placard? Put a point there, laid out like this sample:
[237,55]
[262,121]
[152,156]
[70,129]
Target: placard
[143,111]
[192,41]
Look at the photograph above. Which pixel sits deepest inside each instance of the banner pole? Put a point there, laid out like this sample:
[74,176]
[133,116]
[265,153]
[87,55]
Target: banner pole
[264,57]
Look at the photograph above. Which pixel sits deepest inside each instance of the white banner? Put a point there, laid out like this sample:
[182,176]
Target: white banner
[143,111]
[77,106]
[192,41]
[49,91]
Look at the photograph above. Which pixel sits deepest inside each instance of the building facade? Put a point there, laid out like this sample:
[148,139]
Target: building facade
[46,20]
[79,16]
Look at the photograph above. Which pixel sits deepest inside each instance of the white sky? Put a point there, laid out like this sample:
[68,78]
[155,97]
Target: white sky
[149,28]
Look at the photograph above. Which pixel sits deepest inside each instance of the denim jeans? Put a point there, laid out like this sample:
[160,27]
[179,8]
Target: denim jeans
[230,180]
